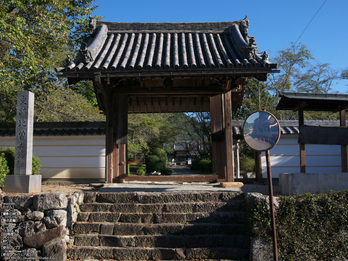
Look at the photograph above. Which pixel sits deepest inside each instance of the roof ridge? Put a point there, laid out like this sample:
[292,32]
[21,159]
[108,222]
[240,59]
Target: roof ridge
[168,26]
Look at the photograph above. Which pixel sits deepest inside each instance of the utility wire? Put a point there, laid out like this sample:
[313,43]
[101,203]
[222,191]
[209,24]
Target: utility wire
[310,21]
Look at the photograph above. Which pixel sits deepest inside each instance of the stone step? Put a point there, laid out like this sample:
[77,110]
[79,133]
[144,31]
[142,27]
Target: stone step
[158,229]
[162,197]
[172,241]
[201,207]
[235,217]
[124,253]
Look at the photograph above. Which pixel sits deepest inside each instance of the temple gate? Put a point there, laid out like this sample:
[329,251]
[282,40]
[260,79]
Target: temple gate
[168,67]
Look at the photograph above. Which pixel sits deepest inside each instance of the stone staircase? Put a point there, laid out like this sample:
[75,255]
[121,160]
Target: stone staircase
[161,226]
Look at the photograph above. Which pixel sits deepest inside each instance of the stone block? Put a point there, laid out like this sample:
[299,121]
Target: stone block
[27,228]
[22,183]
[44,202]
[163,229]
[55,250]
[107,228]
[116,197]
[97,207]
[88,240]
[179,208]
[124,208]
[315,183]
[21,202]
[90,253]
[83,216]
[103,217]
[128,229]
[136,218]
[36,215]
[90,197]
[170,218]
[86,228]
[260,250]
[56,218]
[39,239]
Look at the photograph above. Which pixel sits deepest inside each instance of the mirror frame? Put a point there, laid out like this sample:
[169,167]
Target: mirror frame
[277,122]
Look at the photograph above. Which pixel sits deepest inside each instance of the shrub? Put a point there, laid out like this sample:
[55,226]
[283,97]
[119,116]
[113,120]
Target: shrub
[141,171]
[205,165]
[309,227]
[162,155]
[247,164]
[167,171]
[195,163]
[4,169]
[9,154]
[153,163]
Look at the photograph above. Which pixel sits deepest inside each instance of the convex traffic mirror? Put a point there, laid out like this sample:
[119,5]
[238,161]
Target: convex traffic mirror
[261,131]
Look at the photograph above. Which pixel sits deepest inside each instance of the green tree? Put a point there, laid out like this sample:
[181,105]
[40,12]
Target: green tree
[299,72]
[35,37]
[196,134]
[256,97]
[146,132]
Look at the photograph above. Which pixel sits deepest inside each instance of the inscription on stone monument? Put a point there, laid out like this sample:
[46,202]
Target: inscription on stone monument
[24,133]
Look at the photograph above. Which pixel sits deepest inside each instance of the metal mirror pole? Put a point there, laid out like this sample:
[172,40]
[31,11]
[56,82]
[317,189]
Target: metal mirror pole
[270,187]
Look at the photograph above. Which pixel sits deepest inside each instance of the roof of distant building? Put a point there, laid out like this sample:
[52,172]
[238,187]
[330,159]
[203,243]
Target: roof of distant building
[98,128]
[313,101]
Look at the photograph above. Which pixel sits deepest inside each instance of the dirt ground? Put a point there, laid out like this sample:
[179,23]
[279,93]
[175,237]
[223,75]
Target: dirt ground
[65,189]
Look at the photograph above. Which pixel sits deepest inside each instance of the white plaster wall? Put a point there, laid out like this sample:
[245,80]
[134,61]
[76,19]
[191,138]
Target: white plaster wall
[67,157]
[285,158]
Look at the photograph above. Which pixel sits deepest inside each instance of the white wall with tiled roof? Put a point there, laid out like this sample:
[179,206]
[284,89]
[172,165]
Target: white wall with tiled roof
[68,157]
[285,158]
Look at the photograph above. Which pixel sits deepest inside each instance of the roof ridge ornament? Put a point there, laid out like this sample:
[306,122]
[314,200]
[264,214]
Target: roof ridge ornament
[69,61]
[264,57]
[92,25]
[85,54]
[250,51]
[243,27]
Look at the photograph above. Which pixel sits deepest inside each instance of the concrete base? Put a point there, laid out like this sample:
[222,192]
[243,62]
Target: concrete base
[315,183]
[22,183]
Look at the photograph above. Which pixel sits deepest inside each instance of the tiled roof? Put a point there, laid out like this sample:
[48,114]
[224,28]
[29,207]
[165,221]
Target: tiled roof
[168,46]
[313,101]
[98,128]
[59,129]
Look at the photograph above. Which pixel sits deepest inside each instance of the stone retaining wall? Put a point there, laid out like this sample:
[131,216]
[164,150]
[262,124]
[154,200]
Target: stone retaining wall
[37,227]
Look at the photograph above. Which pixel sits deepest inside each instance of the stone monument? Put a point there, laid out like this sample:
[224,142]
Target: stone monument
[23,181]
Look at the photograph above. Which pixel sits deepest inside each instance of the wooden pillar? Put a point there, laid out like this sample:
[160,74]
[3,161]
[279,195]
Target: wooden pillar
[109,128]
[109,141]
[217,136]
[120,136]
[258,166]
[302,145]
[343,147]
[228,139]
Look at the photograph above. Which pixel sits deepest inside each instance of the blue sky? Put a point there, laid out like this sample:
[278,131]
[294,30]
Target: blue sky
[274,23]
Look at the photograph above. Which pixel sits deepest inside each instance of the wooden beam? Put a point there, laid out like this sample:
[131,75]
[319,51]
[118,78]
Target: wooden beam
[173,178]
[323,135]
[300,106]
